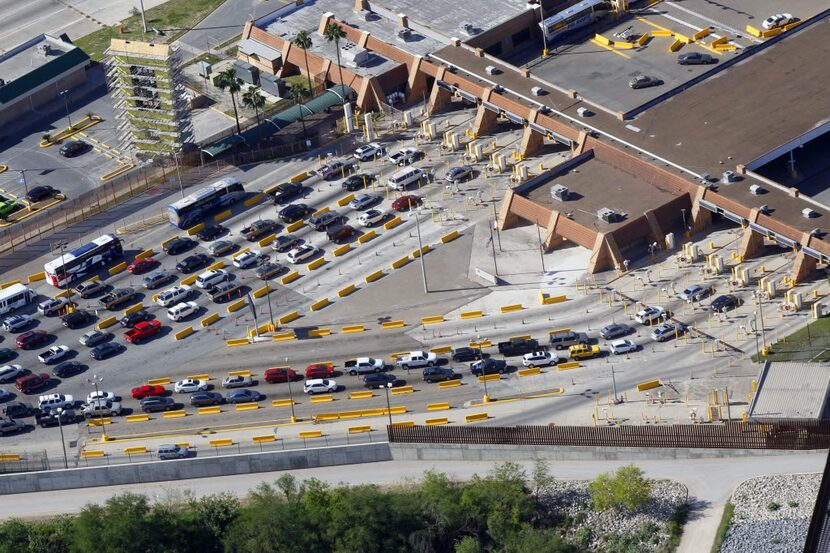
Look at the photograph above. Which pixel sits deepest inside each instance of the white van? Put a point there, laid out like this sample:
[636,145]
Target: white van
[211,277]
[182,310]
[403,178]
[173,295]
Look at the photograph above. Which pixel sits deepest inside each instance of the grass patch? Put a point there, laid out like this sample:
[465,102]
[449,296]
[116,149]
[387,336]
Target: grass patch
[210,58]
[723,527]
[810,342]
[174,17]
[675,527]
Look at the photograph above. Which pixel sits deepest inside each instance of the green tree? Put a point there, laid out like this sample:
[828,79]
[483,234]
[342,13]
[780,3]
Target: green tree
[227,80]
[333,33]
[499,503]
[537,541]
[627,488]
[125,524]
[52,536]
[14,536]
[297,92]
[468,544]
[303,40]
[253,99]
[211,517]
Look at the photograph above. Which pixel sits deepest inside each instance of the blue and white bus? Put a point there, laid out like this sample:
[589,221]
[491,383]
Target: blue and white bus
[579,15]
[191,210]
[74,264]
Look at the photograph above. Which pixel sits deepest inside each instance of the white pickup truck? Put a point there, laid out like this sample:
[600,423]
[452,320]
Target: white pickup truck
[364,365]
[415,359]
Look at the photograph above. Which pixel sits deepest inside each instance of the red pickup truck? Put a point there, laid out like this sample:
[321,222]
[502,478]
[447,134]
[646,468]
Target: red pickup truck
[142,330]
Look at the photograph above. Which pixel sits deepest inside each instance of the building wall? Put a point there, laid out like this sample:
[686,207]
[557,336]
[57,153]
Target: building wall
[12,113]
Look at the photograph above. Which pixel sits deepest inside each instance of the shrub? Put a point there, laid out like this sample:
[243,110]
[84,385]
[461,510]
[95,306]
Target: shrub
[627,488]
[773,506]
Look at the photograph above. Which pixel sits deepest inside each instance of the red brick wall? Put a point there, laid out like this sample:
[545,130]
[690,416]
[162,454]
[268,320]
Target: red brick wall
[573,231]
[530,211]
[669,215]
[634,232]
[726,203]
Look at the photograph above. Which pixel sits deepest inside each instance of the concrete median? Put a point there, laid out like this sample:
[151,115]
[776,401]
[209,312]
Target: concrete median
[319,332]
[36,277]
[137,418]
[237,342]
[215,410]
[530,372]
[189,281]
[435,319]
[393,324]
[222,216]
[342,250]
[288,317]
[316,264]
[237,305]
[133,309]
[295,226]
[284,336]
[194,229]
[397,264]
[437,421]
[267,240]
[175,414]
[472,314]
[290,277]
[438,406]
[344,201]
[342,293]
[351,329]
[253,200]
[567,366]
[402,390]
[116,269]
[106,323]
[512,308]
[449,384]
[365,237]
[450,237]
[361,395]
[374,276]
[322,398]
[159,381]
[476,417]
[651,384]
[320,304]
[252,406]
[183,333]
[145,254]
[392,223]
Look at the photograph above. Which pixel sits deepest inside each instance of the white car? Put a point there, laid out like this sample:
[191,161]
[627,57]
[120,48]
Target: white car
[100,395]
[55,401]
[369,151]
[16,322]
[182,310]
[246,259]
[9,373]
[404,156]
[777,20]
[237,381]
[319,386]
[695,292]
[190,385]
[650,315]
[211,278]
[371,217]
[301,253]
[53,354]
[174,295]
[362,201]
[623,346]
[539,359]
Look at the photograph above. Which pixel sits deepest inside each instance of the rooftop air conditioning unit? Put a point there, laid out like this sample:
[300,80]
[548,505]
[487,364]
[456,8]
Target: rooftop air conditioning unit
[2,82]
[756,190]
[365,15]
[764,209]
[815,232]
[452,68]
[808,213]
[729,177]
[467,28]
[584,112]
[607,215]
[537,91]
[492,70]
[43,49]
[403,34]
[498,88]
[560,192]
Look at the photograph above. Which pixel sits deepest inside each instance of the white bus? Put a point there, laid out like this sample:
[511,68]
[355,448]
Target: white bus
[76,263]
[579,15]
[16,295]
[191,210]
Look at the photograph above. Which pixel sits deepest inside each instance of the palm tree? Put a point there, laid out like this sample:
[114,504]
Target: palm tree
[227,79]
[303,40]
[253,99]
[298,91]
[333,33]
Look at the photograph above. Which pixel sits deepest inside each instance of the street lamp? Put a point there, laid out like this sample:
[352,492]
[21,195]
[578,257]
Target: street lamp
[388,405]
[420,245]
[65,95]
[290,396]
[59,411]
[486,398]
[268,295]
[22,180]
[683,212]
[94,381]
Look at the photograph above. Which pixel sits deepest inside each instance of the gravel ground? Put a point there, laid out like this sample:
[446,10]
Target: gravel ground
[596,530]
[772,514]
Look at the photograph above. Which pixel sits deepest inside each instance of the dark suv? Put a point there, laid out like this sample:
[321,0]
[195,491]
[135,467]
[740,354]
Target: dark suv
[284,191]
[39,193]
[488,366]
[192,262]
[77,318]
[379,380]
[519,347]
[178,245]
[340,233]
[155,403]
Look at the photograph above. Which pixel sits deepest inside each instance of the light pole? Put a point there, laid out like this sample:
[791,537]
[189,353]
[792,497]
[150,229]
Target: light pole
[683,212]
[22,180]
[545,52]
[94,381]
[754,322]
[59,411]
[268,295]
[420,246]
[388,405]
[486,398]
[178,174]
[290,396]
[62,245]
[614,385]
[760,298]
[65,94]
[143,19]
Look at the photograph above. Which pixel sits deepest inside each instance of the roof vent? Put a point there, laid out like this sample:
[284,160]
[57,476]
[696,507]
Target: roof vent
[452,68]
[365,15]
[560,192]
[43,49]
[498,88]
[729,177]
[607,215]
[403,34]
[584,112]
[808,213]
[756,190]
[764,209]
[492,70]
[467,28]
[537,90]
[815,232]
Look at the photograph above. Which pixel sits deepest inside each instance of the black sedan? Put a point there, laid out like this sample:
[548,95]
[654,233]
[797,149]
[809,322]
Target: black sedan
[722,304]
[40,193]
[204,399]
[192,262]
[67,368]
[294,212]
[72,149]
[244,395]
[6,354]
[77,318]
[211,232]
[284,191]
[379,380]
[129,321]
[488,366]
[106,350]
[466,354]
[178,245]
[357,182]
[53,418]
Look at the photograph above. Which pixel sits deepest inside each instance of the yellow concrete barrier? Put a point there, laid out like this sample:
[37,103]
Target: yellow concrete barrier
[133,308]
[676,45]
[264,439]
[202,376]
[13,282]
[253,200]
[530,372]
[417,253]
[316,264]
[145,254]
[567,366]
[725,46]
[438,406]
[642,387]
[545,299]
[359,429]
[342,250]
[239,373]
[404,424]
[511,308]
[437,421]
[168,241]
[183,333]
[267,240]
[307,434]
[63,294]
[400,262]
[395,356]
[361,395]
[718,41]
[175,414]
[402,390]
[683,38]
[99,422]
[623,45]
[299,177]
[117,269]
[701,33]
[343,292]
[288,317]
[440,350]
[237,342]
[389,225]
[432,320]
[476,417]
[252,406]
[450,237]
[753,31]
[283,403]
[644,38]
[345,200]
[366,236]
[374,276]
[772,32]
[602,40]
[106,323]
[482,344]
[237,305]
[351,329]
[296,225]
[472,314]
[393,324]
[36,277]
[522,337]
[260,292]
[284,336]
[662,33]
[322,398]
[189,280]
[222,216]
[159,381]
[137,418]
[7,457]
[489,378]
[290,277]
[215,410]
[320,304]
[449,384]
[93,453]
[225,442]
[135,450]
[195,228]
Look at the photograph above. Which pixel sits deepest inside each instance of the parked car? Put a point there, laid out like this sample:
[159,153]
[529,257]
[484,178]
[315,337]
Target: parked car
[10,426]
[68,368]
[147,390]
[142,265]
[340,233]
[226,291]
[644,81]
[55,401]
[364,365]
[322,221]
[696,58]
[357,182]
[193,262]
[272,376]
[488,366]
[16,323]
[204,399]
[6,354]
[221,247]
[564,340]
[404,156]
[18,409]
[89,288]
[283,191]
[31,339]
[212,277]
[142,331]
[74,148]
[406,202]
[9,373]
[439,374]
[168,452]
[667,331]
[103,395]
[106,350]
[53,306]
[458,174]
[724,303]
[379,380]
[301,253]
[294,212]
[53,354]
[259,228]
[336,169]
[129,321]
[116,297]
[319,370]
[190,385]
[371,217]
[157,279]
[244,395]
[40,193]
[650,315]
[539,359]
[614,330]
[211,232]
[269,270]
[466,354]
[155,404]
[94,337]
[319,386]
[369,151]
[248,259]
[76,318]
[55,418]
[237,381]
[778,20]
[182,310]
[5,395]
[415,359]
[32,382]
[174,295]
[285,243]
[178,245]
[518,347]
[695,292]
[363,201]
[619,347]
[101,408]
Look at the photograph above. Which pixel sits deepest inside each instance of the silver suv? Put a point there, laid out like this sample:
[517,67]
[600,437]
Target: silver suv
[89,289]
[101,408]
[170,451]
